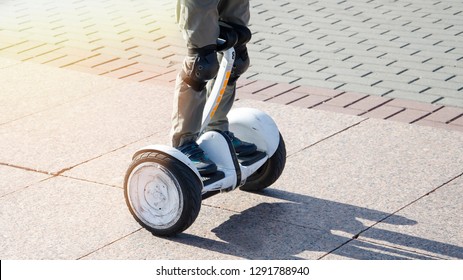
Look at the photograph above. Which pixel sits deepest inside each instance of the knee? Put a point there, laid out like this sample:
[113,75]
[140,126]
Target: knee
[200,66]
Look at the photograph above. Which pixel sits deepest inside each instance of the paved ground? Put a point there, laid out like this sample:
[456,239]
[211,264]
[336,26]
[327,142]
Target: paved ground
[355,186]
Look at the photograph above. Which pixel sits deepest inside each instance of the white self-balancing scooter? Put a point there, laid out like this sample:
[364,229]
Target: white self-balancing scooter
[163,189]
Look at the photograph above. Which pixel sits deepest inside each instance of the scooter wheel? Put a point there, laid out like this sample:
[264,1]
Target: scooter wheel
[162,193]
[269,172]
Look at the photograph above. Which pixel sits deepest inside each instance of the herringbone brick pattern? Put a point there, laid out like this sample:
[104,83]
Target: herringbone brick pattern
[372,58]
[123,39]
[399,49]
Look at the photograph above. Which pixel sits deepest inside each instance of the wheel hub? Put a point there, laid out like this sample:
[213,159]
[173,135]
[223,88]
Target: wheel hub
[155,195]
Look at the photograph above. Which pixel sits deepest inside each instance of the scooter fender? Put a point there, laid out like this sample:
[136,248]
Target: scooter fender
[171,152]
[254,126]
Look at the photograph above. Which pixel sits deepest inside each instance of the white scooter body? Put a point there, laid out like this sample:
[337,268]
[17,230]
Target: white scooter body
[165,197]
[248,124]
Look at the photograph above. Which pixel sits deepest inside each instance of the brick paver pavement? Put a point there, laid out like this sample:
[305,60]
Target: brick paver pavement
[398,60]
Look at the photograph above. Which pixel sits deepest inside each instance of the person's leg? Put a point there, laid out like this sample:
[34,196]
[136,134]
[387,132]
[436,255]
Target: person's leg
[198,20]
[190,94]
[235,11]
[234,14]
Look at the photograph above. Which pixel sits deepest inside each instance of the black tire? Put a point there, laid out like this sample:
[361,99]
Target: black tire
[182,185]
[269,172]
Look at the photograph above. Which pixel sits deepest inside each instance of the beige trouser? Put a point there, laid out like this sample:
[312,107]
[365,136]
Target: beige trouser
[198,20]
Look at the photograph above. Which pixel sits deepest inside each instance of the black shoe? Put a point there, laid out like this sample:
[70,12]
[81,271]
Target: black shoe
[241,148]
[204,165]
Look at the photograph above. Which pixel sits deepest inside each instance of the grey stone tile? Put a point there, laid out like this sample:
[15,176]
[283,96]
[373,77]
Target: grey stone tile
[13,179]
[62,219]
[365,173]
[436,233]
[338,220]
[300,127]
[221,234]
[382,163]
[110,168]
[363,249]
[90,127]
[28,89]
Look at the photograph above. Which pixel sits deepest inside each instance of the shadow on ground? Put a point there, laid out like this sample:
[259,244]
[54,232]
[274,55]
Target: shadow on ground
[306,227]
